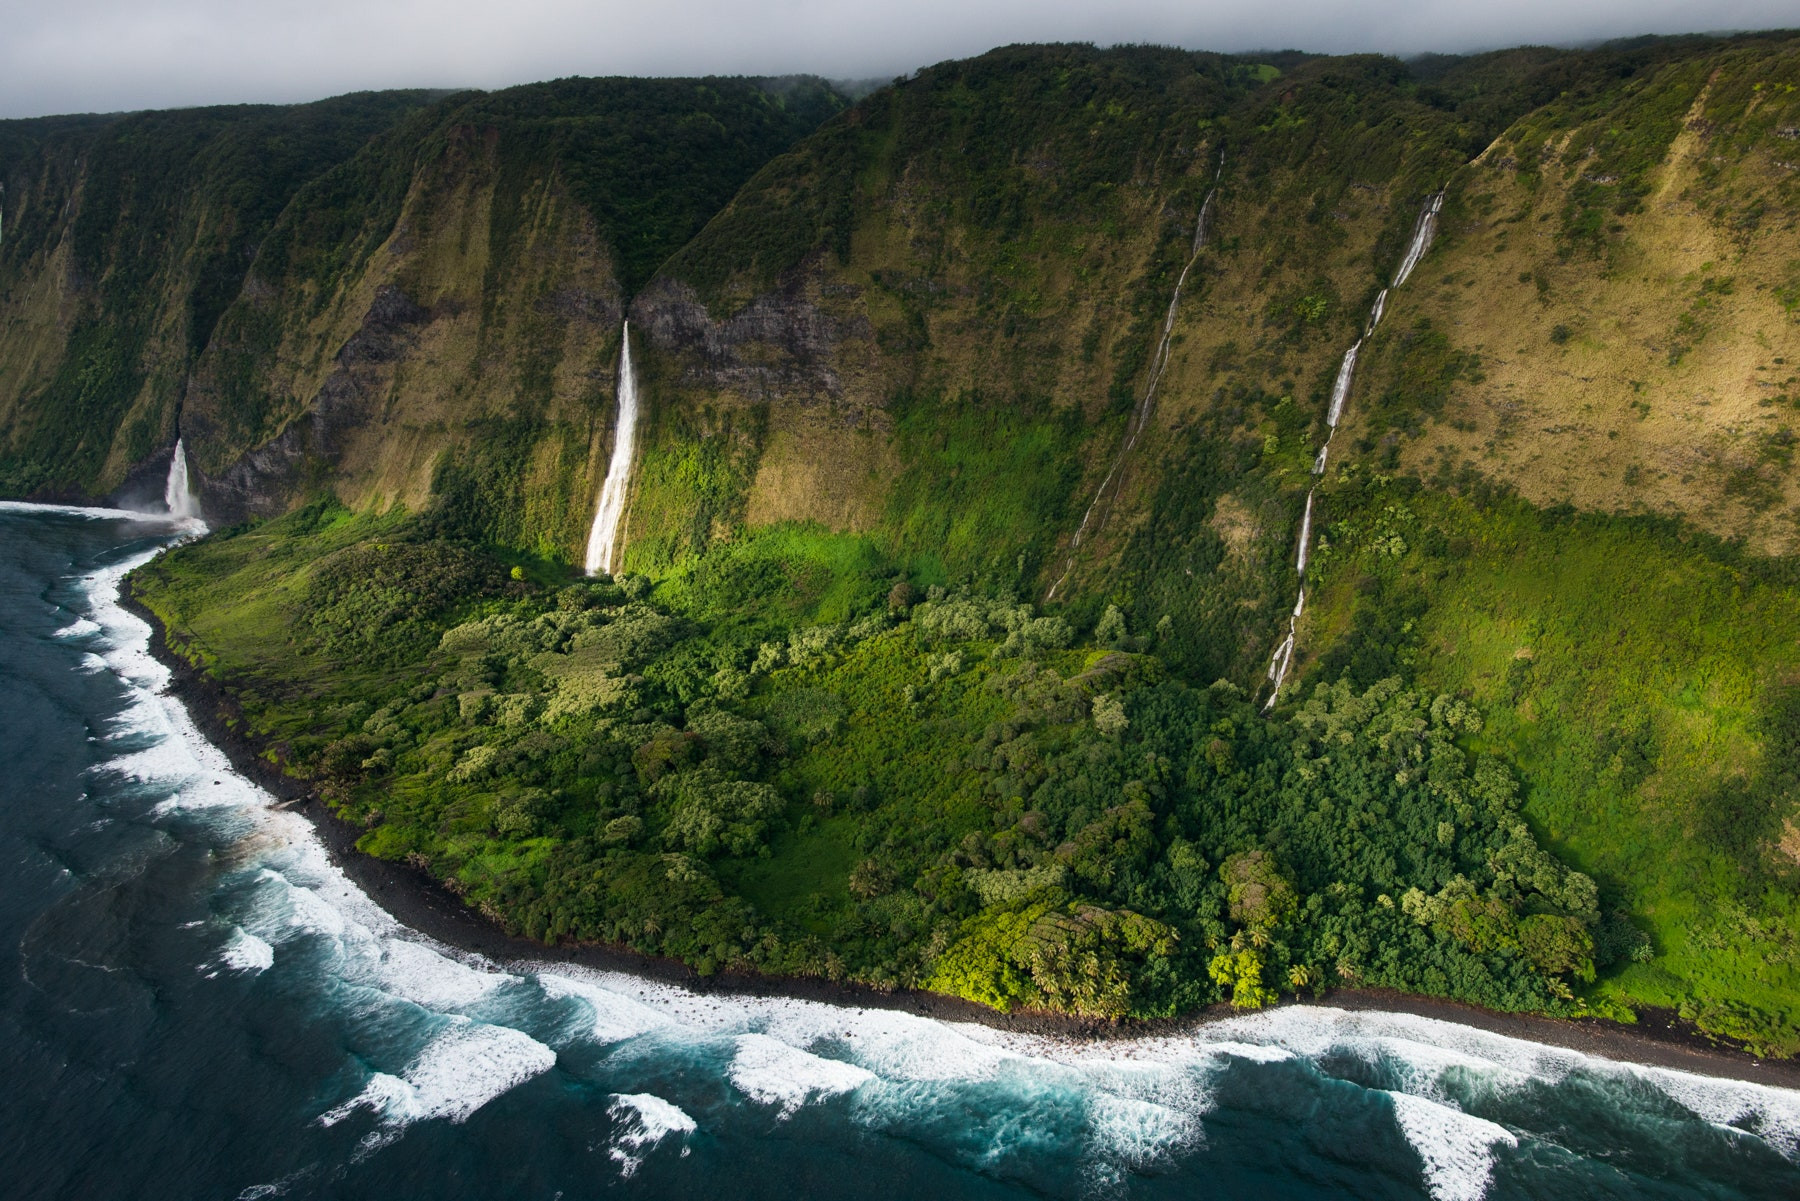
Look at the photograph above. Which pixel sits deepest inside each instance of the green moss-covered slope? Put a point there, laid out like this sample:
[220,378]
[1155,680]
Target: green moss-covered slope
[1536,750]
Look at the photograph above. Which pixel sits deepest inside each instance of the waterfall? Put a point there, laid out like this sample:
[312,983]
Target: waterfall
[178,492]
[1140,416]
[1340,387]
[602,544]
[1305,536]
[1375,313]
[1424,229]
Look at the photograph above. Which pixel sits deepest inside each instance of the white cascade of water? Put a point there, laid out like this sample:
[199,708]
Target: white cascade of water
[1376,311]
[1305,536]
[602,544]
[1340,387]
[1140,416]
[1424,230]
[178,491]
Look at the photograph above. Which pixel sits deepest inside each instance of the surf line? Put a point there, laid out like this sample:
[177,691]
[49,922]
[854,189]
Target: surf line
[602,548]
[1424,230]
[1140,416]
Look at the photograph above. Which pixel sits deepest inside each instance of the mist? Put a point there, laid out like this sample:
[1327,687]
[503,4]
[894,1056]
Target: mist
[113,55]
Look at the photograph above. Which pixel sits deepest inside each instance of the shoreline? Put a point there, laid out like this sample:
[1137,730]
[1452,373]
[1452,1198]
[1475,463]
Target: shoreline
[416,900]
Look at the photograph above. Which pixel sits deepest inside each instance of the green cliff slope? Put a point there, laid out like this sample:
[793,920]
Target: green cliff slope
[937,658]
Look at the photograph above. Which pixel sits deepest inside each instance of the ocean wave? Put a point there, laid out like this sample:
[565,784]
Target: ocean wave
[771,1072]
[246,953]
[613,1017]
[1457,1149]
[1770,1114]
[100,513]
[1136,1134]
[425,976]
[648,1120]
[462,1069]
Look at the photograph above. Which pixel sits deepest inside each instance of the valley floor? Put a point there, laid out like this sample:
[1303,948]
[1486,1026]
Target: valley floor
[1658,1037]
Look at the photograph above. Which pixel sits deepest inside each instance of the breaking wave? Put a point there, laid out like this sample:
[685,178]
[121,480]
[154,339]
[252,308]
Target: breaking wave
[436,1035]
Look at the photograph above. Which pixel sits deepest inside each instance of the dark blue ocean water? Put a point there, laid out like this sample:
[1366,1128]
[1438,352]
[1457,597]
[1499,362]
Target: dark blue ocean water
[198,1005]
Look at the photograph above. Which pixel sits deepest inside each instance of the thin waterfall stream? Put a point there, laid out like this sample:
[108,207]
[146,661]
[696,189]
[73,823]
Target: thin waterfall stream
[602,547]
[178,491]
[1140,416]
[1424,229]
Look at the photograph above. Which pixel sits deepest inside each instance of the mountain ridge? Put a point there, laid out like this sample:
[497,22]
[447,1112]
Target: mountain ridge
[887,360]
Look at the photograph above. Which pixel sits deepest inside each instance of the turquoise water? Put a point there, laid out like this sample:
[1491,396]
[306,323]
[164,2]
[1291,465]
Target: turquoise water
[200,1005]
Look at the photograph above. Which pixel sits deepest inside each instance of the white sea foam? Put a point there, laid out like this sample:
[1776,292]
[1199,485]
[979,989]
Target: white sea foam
[1142,1097]
[649,1120]
[894,1045]
[247,953]
[463,1068]
[1458,1150]
[1134,1133]
[615,1017]
[1771,1114]
[310,913]
[1425,1047]
[95,512]
[773,1073]
[81,627]
[424,975]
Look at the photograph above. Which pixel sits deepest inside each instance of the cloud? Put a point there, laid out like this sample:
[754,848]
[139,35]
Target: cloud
[107,55]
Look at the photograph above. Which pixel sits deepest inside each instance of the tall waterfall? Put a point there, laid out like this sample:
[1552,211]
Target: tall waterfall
[1424,229]
[1140,416]
[602,544]
[178,492]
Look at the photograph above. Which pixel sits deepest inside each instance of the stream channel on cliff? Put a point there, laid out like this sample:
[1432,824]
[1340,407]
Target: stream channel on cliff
[200,1004]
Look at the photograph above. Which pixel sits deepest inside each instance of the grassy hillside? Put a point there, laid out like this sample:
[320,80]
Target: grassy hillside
[1537,750]
[1624,263]
[1638,676]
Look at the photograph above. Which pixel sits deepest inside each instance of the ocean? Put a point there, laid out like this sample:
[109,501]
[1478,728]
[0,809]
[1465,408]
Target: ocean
[201,1005]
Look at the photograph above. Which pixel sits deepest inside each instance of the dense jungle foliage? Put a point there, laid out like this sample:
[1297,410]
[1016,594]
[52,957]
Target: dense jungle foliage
[788,759]
[1529,758]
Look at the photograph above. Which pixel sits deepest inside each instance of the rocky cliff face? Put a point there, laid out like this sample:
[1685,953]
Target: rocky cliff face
[125,239]
[948,294]
[431,309]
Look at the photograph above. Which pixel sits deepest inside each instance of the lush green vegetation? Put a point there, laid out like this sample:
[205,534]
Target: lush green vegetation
[785,757]
[1639,678]
[1535,760]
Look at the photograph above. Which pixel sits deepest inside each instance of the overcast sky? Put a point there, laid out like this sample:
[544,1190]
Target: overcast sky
[61,56]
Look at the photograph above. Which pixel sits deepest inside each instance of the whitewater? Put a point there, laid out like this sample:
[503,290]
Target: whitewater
[433,1072]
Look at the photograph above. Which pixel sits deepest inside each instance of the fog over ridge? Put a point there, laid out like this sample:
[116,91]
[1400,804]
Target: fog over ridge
[110,55]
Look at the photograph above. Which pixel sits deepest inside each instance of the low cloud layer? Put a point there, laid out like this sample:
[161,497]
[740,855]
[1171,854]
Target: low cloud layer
[107,55]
